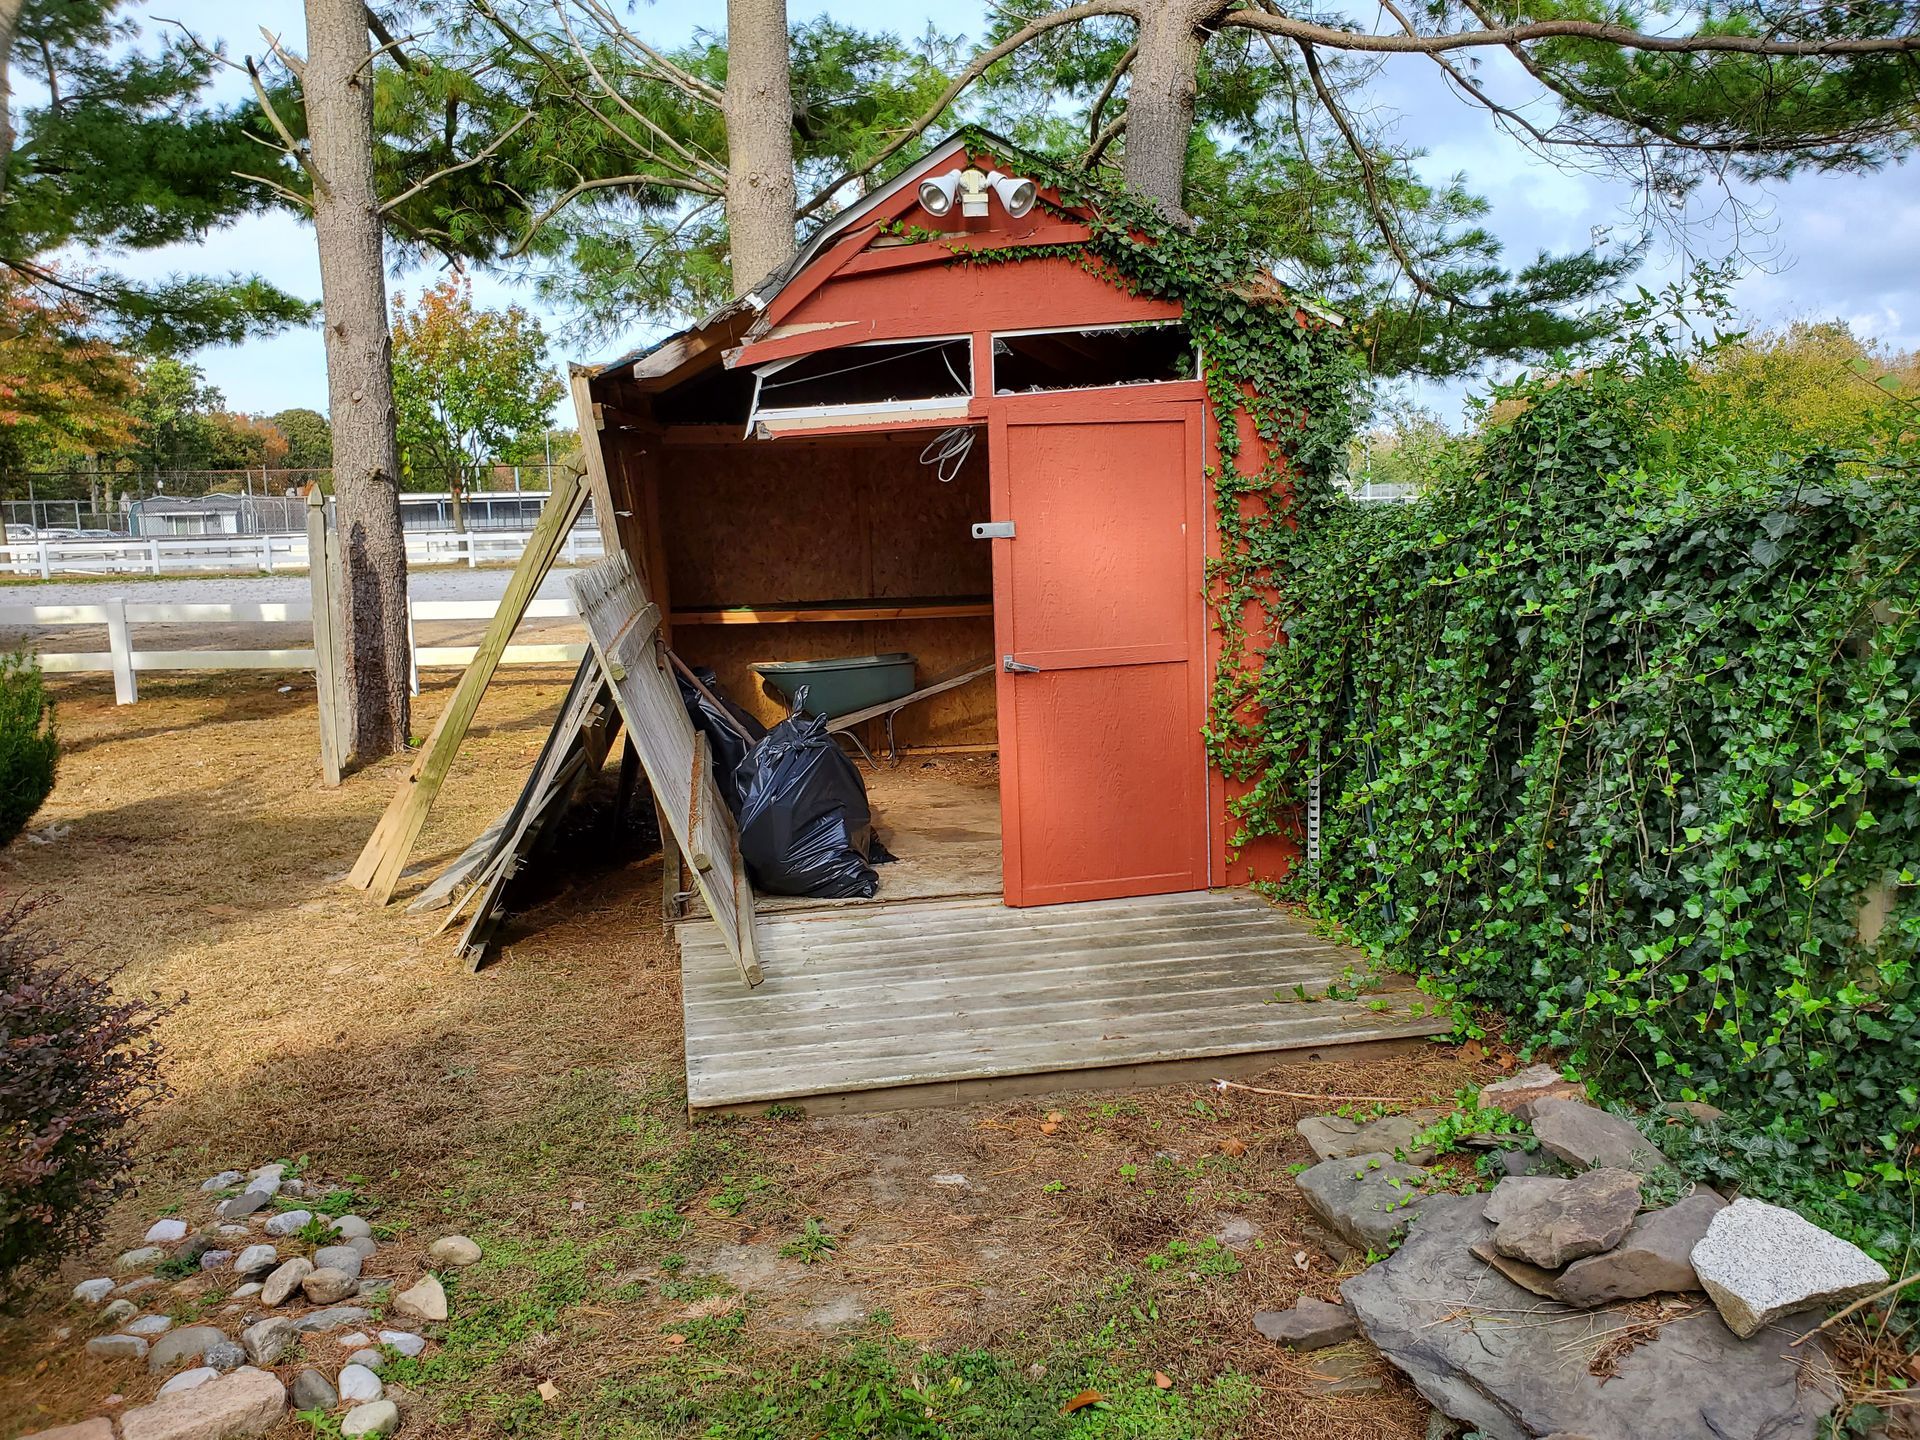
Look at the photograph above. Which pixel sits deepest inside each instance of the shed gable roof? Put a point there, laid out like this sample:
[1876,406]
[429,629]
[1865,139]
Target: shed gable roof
[671,359]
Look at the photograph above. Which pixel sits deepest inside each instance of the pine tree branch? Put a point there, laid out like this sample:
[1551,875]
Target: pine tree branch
[380,32]
[303,202]
[1650,125]
[712,169]
[288,144]
[688,82]
[296,67]
[1109,132]
[1601,32]
[1094,123]
[574,192]
[1370,182]
[437,176]
[974,69]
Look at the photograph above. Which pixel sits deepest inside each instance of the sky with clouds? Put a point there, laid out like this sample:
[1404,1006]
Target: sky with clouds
[1826,245]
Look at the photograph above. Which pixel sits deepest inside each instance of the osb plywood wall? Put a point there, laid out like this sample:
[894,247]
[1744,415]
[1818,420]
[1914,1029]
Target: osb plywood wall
[781,523]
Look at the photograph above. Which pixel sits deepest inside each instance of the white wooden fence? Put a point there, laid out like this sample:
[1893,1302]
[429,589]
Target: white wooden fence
[198,554]
[125,663]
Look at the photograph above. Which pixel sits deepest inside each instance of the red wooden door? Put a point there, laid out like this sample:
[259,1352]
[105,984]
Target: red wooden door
[1099,591]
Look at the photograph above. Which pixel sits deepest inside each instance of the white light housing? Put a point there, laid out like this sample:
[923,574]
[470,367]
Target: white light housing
[937,192]
[973,191]
[972,188]
[1015,193]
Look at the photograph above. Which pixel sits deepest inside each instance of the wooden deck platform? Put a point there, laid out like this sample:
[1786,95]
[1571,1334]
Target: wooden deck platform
[941,1002]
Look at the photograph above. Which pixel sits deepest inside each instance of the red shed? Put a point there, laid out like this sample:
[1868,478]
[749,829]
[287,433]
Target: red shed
[896,447]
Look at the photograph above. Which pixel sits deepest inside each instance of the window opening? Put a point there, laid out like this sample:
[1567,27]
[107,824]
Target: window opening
[885,373]
[1092,358]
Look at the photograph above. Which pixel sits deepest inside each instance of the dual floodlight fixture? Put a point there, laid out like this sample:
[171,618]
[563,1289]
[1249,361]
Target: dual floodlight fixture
[971,187]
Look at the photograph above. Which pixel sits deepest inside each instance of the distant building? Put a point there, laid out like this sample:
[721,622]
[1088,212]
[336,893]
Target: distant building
[222,514]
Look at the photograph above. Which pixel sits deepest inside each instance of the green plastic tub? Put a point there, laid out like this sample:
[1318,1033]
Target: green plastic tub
[841,686]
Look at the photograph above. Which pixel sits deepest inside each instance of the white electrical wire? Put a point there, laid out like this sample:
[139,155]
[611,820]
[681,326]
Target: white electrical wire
[948,451]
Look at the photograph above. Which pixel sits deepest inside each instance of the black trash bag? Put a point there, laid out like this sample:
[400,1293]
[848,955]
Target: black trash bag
[805,827]
[729,746]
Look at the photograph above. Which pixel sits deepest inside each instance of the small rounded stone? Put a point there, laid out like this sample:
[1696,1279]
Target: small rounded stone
[453,1250]
[375,1419]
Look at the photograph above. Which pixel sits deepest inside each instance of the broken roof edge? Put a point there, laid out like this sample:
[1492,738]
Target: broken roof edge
[668,355]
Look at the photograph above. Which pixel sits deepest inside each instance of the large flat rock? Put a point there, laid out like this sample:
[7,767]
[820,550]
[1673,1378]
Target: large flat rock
[247,1402]
[1516,1367]
[1590,1139]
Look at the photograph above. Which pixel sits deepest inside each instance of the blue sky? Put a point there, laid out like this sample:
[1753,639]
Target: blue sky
[1827,245]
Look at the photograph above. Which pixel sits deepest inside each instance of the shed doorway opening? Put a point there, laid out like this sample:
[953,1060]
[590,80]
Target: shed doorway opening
[823,560]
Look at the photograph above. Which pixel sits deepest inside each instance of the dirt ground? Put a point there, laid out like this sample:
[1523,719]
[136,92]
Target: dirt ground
[634,1261]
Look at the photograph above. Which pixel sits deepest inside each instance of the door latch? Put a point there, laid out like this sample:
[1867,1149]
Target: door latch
[993,530]
[1017,667]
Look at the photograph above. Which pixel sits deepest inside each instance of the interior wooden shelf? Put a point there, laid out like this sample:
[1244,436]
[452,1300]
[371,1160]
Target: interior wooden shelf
[952,607]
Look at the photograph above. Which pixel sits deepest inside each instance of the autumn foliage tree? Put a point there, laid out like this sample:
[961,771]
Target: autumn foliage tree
[469,384]
[1810,385]
[63,386]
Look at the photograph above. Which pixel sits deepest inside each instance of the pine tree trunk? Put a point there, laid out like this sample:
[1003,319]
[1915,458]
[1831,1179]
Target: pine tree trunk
[1160,101]
[9,27]
[338,89]
[759,114]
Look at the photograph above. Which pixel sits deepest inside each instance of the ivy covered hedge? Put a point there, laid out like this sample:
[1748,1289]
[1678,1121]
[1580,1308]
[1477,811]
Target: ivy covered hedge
[1615,727]
[1616,735]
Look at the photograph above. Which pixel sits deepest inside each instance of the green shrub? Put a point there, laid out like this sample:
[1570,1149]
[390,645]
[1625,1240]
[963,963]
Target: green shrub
[1617,736]
[80,1066]
[28,747]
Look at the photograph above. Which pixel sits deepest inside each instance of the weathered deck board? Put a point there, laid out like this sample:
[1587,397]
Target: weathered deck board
[937,1002]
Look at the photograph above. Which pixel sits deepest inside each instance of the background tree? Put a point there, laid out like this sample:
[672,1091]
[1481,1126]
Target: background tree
[116,149]
[758,105]
[309,438]
[244,442]
[1801,388]
[613,197]
[470,385]
[65,390]
[1231,114]
[174,407]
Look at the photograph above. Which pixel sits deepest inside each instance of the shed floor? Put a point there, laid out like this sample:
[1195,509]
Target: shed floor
[940,816]
[885,1007]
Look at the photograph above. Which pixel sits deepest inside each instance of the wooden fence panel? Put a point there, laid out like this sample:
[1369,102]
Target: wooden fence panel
[624,627]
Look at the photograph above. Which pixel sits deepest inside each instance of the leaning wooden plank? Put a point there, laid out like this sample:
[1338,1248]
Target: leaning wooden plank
[624,628]
[380,864]
[587,416]
[564,758]
[440,890]
[478,856]
[476,941]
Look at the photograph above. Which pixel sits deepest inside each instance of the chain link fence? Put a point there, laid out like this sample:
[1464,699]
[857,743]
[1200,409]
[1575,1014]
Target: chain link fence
[109,501]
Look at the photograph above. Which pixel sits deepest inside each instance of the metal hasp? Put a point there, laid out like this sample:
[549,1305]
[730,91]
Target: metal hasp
[993,530]
[1017,667]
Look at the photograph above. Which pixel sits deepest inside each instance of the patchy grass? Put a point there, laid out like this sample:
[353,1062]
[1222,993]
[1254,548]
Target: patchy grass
[633,1260]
